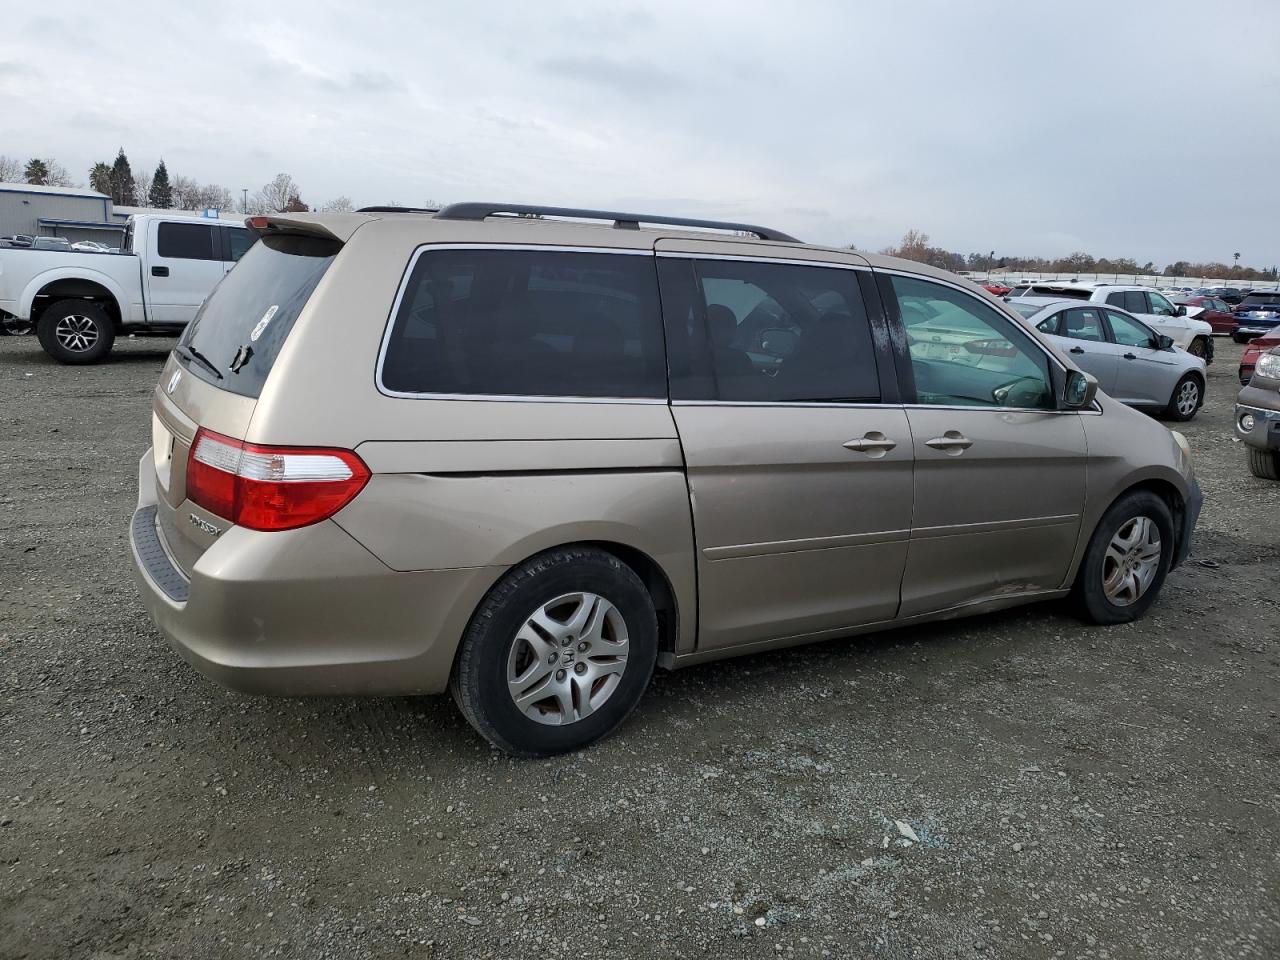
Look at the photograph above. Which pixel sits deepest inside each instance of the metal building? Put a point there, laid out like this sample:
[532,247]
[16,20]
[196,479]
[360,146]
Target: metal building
[76,213]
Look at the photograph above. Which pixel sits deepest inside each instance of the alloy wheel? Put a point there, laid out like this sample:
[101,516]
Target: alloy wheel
[1132,561]
[567,659]
[1188,398]
[76,333]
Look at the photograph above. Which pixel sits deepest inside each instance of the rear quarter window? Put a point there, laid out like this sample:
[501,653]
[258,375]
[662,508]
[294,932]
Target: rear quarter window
[244,323]
[186,241]
[552,323]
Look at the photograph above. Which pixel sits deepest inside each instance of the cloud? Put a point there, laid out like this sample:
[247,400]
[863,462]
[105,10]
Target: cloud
[838,123]
[634,78]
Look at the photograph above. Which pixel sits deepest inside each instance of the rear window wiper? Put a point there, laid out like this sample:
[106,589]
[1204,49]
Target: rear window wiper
[189,353]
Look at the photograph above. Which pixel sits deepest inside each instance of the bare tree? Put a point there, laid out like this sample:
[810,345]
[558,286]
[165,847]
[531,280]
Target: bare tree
[10,169]
[219,198]
[142,186]
[186,193]
[337,205]
[276,196]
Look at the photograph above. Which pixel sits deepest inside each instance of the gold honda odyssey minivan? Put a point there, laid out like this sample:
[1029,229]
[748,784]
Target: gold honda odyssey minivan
[528,458]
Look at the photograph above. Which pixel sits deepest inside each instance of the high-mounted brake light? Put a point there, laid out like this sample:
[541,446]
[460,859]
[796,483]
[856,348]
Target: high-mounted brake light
[258,223]
[271,488]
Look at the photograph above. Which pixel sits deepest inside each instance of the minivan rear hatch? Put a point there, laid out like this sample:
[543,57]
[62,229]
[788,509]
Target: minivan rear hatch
[216,373]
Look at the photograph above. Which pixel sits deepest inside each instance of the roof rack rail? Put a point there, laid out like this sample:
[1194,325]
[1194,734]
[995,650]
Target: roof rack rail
[398,210]
[622,221]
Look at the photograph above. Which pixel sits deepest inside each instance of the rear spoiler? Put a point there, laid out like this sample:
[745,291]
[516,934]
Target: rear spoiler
[334,226]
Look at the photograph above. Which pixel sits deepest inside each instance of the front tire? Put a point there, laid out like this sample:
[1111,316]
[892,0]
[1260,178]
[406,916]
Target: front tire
[76,332]
[558,653]
[1264,464]
[1126,561]
[1199,348]
[1186,399]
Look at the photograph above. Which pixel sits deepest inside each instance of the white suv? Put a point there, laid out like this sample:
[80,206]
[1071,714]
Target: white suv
[1150,306]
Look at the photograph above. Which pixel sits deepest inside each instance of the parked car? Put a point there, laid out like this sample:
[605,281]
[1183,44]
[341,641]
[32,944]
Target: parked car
[50,243]
[1231,295]
[1151,307]
[1254,349]
[1130,360]
[996,288]
[78,304]
[1213,311]
[528,459]
[91,246]
[1258,416]
[1257,315]
[20,240]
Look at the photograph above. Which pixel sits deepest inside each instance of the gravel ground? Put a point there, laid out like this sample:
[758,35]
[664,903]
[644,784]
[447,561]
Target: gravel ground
[1017,785]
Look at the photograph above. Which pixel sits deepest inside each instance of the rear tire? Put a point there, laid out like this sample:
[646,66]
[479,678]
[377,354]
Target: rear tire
[1264,464]
[572,634]
[76,332]
[1118,581]
[1186,399]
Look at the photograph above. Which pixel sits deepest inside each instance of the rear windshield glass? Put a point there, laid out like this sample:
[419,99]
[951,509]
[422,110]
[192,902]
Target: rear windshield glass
[234,339]
[1267,299]
[1027,309]
[1041,290]
[528,323]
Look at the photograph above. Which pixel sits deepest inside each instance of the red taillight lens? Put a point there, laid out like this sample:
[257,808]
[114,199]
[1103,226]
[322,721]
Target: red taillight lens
[271,488]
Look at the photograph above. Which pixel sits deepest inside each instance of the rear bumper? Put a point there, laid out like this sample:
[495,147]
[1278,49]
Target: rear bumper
[306,611]
[1190,515]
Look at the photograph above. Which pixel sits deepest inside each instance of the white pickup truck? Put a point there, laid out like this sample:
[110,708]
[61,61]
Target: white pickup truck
[78,301]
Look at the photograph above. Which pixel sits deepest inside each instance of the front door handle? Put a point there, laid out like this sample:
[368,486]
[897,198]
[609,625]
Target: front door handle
[1077,349]
[873,443]
[953,443]
[1131,356]
[159,271]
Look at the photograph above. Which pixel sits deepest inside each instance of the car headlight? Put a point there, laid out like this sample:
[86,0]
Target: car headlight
[1268,366]
[1184,452]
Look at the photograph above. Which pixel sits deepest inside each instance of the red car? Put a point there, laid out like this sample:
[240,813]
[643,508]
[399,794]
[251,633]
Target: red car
[998,289]
[1254,349]
[1217,313]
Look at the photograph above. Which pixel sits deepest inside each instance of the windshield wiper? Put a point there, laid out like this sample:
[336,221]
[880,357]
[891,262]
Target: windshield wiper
[191,353]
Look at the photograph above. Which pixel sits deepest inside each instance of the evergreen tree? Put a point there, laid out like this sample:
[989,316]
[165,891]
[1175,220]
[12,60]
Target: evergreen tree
[122,191]
[161,193]
[37,172]
[100,178]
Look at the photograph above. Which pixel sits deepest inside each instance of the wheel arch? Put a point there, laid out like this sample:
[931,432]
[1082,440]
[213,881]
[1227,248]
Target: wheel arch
[1162,486]
[55,285]
[651,573]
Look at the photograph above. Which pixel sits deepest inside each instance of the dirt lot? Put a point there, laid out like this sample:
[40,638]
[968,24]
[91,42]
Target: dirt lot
[1071,791]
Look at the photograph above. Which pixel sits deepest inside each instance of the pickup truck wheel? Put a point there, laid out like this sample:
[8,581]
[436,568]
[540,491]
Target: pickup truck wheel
[76,332]
[12,326]
[1264,463]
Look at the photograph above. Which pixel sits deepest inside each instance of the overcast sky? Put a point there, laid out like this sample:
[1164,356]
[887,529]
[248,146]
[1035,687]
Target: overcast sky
[1143,129]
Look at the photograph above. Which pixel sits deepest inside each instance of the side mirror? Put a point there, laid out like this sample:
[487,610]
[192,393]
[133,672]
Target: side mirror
[1181,311]
[1080,390]
[1163,343]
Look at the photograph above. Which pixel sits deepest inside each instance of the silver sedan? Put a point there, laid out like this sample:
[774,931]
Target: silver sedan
[1132,362]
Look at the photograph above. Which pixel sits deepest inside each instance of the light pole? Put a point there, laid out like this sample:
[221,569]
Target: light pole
[244,201]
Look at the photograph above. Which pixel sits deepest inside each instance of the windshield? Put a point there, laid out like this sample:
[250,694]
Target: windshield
[240,329]
[1026,309]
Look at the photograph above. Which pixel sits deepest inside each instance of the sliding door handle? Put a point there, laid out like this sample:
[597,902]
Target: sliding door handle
[952,442]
